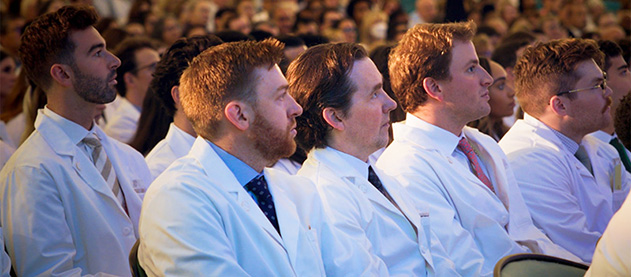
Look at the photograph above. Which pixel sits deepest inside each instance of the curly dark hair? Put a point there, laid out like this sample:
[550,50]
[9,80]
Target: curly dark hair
[622,121]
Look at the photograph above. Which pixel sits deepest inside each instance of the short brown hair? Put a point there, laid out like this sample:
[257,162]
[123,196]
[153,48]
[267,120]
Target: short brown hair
[318,79]
[424,51]
[47,41]
[548,68]
[222,74]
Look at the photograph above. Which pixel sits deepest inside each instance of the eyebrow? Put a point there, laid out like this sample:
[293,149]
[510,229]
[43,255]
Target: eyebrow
[624,66]
[281,88]
[377,86]
[96,46]
[497,80]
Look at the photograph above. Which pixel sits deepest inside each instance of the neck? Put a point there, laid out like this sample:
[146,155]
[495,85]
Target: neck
[180,120]
[439,118]
[242,149]
[346,146]
[70,106]
[562,127]
[135,98]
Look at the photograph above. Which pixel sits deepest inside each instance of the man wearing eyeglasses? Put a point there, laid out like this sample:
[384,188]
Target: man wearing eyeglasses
[572,183]
[138,62]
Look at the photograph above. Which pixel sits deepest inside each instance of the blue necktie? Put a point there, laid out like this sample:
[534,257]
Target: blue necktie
[258,187]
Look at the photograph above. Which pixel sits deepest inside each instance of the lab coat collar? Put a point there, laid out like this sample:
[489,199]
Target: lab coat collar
[442,140]
[221,176]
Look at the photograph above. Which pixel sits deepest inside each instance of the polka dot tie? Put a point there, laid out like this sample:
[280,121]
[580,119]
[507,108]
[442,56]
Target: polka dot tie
[258,187]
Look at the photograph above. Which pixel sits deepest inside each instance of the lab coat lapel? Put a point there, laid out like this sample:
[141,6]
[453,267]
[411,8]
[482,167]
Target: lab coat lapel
[221,176]
[81,164]
[288,219]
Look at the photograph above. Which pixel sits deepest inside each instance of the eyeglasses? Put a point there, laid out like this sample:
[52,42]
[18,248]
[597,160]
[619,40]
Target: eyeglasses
[151,66]
[602,86]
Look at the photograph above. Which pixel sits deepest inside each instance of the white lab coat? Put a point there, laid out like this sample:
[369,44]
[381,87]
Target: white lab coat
[473,224]
[198,220]
[59,216]
[613,255]
[123,123]
[175,145]
[606,138]
[570,205]
[367,217]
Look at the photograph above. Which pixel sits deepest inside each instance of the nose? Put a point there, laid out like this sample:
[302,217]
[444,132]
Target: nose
[389,103]
[116,62]
[510,91]
[486,79]
[295,109]
[608,92]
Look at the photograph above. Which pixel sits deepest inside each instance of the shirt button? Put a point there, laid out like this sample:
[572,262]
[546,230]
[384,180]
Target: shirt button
[77,165]
[244,205]
[126,231]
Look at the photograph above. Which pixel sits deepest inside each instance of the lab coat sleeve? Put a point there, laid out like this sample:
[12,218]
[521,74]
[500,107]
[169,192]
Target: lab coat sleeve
[360,259]
[187,236]
[36,231]
[546,187]
[458,242]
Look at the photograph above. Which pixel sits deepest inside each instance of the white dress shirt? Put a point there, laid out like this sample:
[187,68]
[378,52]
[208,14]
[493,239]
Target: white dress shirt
[175,145]
[124,121]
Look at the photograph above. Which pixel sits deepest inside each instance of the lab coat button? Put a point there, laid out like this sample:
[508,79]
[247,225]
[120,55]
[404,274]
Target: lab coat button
[449,160]
[126,231]
[244,205]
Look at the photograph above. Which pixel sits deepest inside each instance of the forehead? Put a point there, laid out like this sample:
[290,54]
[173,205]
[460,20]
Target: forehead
[365,74]
[147,54]
[85,39]
[268,80]
[588,71]
[616,63]
[462,54]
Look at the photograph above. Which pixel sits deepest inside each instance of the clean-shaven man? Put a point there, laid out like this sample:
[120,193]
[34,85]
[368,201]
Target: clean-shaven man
[345,119]
[460,173]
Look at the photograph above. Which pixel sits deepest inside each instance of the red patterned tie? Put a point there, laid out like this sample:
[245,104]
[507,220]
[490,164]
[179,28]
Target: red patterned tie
[464,145]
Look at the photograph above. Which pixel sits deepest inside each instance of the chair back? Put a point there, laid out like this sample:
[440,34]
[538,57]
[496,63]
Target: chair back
[525,265]
[134,265]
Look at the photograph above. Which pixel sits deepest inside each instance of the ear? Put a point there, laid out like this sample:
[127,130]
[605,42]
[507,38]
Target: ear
[128,78]
[433,89]
[175,94]
[61,74]
[239,114]
[557,104]
[333,118]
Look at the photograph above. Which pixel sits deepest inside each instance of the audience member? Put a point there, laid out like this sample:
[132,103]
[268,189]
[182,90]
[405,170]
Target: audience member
[8,77]
[622,121]
[10,32]
[426,11]
[84,189]
[501,101]
[167,30]
[251,220]
[472,194]
[345,119]
[619,81]
[572,183]
[138,62]
[165,88]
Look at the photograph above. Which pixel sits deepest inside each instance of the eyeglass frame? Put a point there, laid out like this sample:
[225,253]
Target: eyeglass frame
[602,86]
[153,64]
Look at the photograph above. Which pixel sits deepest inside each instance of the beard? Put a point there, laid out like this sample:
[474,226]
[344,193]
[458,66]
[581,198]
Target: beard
[93,89]
[272,142]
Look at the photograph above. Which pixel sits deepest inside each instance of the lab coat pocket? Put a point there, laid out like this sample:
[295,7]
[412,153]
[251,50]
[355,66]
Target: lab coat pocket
[423,213]
[618,198]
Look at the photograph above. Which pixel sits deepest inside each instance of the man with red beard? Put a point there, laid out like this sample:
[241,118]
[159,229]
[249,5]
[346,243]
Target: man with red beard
[455,172]
[572,183]
[218,211]
[70,195]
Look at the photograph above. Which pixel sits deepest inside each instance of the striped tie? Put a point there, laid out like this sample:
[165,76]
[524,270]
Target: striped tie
[103,165]
[466,148]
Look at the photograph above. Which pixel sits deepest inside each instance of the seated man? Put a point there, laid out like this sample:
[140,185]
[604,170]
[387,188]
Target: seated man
[70,195]
[460,173]
[345,119]
[165,85]
[217,210]
[572,183]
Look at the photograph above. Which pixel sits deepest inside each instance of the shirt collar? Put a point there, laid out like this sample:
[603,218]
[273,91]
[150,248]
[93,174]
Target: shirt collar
[569,144]
[74,131]
[360,166]
[443,140]
[243,172]
[603,136]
